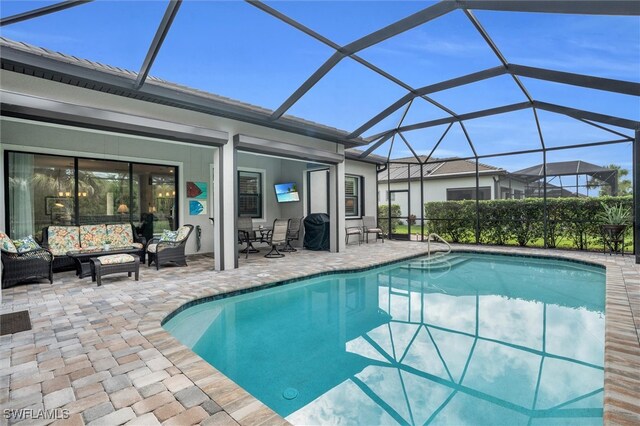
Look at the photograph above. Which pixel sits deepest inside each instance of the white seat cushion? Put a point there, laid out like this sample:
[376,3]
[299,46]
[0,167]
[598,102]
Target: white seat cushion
[152,248]
[113,259]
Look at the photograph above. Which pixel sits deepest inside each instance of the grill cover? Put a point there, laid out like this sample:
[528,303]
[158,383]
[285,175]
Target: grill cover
[316,231]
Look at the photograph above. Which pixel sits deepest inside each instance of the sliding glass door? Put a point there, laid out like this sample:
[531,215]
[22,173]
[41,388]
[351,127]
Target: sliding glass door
[47,190]
[154,198]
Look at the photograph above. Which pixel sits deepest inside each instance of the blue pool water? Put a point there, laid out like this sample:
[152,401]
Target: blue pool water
[461,339]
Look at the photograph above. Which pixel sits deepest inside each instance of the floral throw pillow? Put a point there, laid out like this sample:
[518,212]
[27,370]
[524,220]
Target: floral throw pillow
[26,244]
[6,244]
[169,235]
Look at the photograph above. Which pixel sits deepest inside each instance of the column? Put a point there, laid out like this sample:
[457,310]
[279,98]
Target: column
[336,207]
[636,195]
[225,245]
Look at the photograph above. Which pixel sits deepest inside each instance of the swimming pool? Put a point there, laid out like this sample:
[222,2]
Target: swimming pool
[459,339]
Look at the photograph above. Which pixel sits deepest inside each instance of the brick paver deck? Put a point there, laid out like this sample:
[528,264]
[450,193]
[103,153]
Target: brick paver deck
[101,354]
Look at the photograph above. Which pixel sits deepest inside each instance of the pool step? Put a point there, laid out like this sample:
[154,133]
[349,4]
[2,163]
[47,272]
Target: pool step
[436,263]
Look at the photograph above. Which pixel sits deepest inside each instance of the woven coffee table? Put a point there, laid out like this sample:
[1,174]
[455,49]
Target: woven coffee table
[113,264]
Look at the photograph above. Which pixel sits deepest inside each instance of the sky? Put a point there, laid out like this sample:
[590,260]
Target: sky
[233,49]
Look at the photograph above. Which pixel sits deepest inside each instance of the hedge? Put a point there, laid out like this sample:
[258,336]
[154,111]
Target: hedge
[383,217]
[569,220]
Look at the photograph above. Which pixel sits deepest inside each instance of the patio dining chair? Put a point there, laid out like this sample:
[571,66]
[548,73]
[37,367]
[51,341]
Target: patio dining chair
[276,236]
[246,235]
[353,230]
[293,233]
[369,226]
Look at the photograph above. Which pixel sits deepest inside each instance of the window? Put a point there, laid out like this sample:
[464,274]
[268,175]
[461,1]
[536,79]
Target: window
[352,195]
[459,194]
[250,194]
[103,189]
[55,190]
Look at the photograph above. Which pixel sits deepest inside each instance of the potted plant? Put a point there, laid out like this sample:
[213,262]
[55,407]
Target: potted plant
[614,220]
[107,245]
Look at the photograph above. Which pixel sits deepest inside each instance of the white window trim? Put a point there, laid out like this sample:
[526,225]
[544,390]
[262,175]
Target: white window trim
[263,172]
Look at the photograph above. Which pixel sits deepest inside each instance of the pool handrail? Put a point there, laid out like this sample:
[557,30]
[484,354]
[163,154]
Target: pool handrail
[436,236]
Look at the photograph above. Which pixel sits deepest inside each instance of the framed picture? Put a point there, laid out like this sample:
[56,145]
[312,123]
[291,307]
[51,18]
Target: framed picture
[197,208]
[57,204]
[197,190]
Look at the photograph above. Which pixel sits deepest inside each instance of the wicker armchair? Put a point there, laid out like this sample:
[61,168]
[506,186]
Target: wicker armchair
[19,267]
[162,252]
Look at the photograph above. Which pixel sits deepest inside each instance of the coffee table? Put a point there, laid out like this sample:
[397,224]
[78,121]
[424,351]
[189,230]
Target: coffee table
[82,257]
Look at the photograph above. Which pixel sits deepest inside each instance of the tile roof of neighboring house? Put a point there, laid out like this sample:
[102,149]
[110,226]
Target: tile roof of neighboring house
[6,45]
[436,168]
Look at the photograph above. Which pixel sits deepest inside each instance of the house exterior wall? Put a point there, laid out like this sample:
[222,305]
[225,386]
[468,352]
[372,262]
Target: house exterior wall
[195,162]
[436,190]
[368,172]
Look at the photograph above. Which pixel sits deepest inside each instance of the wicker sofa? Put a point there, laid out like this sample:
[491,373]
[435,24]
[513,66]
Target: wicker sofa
[27,266]
[61,239]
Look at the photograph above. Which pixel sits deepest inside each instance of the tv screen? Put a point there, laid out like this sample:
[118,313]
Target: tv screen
[287,192]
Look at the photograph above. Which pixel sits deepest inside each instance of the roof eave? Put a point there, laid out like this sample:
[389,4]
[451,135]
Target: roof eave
[121,84]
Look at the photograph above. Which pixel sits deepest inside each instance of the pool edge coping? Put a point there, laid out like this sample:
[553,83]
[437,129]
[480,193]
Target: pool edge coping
[244,408]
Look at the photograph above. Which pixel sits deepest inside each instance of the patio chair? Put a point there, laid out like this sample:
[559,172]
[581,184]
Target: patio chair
[369,226]
[19,267]
[277,235]
[162,252]
[353,230]
[293,233]
[246,235]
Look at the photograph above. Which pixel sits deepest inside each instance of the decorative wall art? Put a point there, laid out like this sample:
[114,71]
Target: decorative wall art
[197,190]
[197,207]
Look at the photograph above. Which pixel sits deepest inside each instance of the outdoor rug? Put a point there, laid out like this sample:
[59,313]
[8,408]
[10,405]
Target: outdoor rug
[14,322]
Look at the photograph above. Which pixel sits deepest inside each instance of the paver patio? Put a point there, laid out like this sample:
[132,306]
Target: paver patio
[101,354]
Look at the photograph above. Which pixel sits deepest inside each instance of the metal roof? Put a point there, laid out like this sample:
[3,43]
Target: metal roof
[435,168]
[566,168]
[40,62]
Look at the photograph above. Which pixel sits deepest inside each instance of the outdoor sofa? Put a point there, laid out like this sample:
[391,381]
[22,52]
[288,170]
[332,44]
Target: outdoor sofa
[62,239]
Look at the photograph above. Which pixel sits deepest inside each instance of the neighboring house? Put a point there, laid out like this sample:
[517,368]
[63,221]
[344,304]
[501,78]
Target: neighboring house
[81,144]
[449,180]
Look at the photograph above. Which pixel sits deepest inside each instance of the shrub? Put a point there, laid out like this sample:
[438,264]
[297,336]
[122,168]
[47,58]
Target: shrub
[452,220]
[522,221]
[383,217]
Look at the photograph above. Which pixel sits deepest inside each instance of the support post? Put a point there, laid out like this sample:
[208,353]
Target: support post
[336,207]
[636,195]
[545,211]
[225,241]
[477,202]
[421,202]
[409,202]
[388,200]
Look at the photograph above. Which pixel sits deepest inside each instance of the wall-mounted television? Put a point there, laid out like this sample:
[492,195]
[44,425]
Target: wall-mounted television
[287,192]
